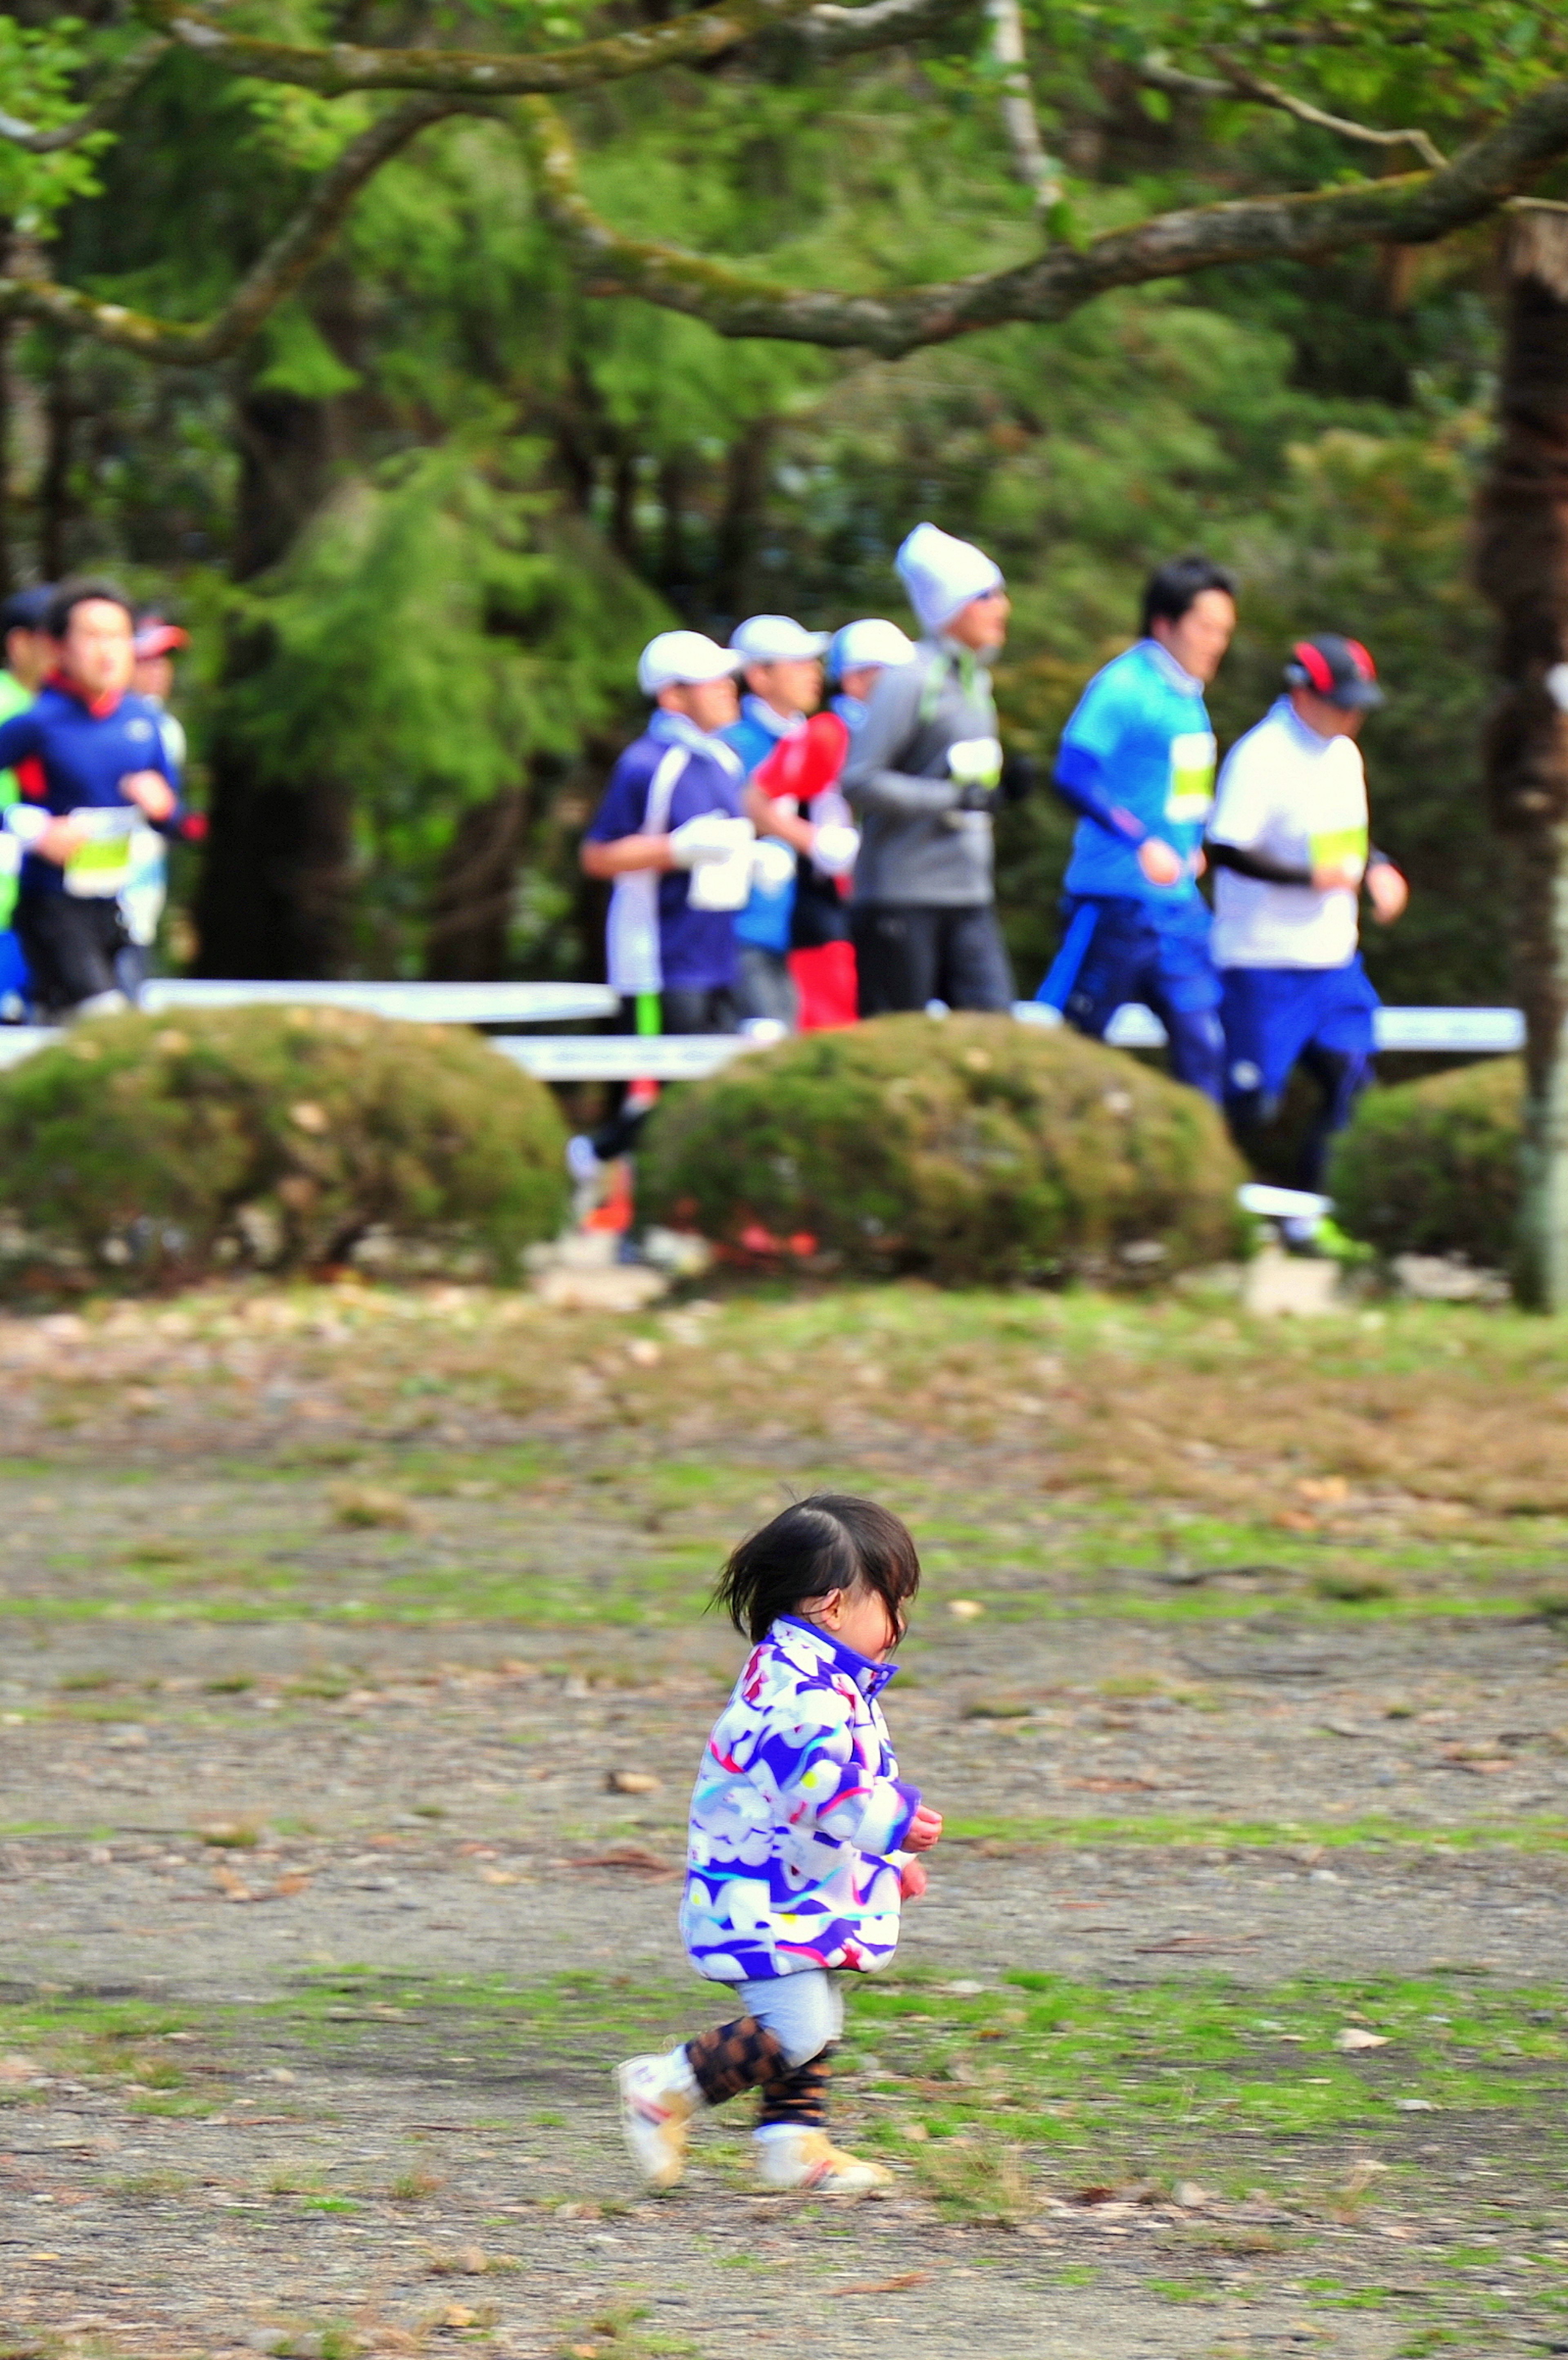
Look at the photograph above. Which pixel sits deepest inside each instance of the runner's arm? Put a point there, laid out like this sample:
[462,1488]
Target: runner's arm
[873,781]
[19,737]
[1079,780]
[624,854]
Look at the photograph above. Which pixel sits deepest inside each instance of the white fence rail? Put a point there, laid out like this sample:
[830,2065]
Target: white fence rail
[414,1003]
[685,1057]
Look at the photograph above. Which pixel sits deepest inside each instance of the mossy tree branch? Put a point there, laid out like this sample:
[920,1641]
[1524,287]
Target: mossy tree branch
[1239,83]
[275,275]
[684,40]
[1412,209]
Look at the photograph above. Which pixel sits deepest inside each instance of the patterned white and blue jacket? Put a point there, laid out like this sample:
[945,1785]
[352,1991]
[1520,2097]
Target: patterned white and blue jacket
[797,1806]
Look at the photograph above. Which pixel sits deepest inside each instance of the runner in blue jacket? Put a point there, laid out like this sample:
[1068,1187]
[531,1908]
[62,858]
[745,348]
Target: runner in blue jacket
[1136,763]
[93,771]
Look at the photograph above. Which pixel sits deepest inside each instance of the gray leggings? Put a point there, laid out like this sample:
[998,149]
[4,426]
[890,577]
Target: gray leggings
[804,2012]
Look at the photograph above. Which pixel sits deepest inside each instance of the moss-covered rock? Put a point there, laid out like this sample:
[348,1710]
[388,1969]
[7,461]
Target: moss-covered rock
[1433,1166]
[156,1147]
[974,1150]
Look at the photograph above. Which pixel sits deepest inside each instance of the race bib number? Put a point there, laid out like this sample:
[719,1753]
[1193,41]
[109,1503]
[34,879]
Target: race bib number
[1190,797]
[1339,843]
[96,871]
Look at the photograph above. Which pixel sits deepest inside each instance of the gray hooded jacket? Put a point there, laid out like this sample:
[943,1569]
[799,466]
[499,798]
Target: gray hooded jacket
[916,845]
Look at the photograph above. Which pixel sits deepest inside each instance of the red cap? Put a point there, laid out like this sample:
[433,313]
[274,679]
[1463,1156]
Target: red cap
[157,637]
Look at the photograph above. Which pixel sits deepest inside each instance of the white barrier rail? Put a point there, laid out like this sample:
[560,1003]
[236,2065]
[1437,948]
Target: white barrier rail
[686,1057]
[1430,1032]
[412,1003]
[622,1057]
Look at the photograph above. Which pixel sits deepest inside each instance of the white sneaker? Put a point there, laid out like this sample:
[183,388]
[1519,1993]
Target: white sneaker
[658,2098]
[802,2158]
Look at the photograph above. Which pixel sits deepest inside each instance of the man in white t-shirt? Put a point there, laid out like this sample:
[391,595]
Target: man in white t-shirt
[1288,845]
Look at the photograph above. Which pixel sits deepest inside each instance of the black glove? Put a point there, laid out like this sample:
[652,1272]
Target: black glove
[976,798]
[1018,776]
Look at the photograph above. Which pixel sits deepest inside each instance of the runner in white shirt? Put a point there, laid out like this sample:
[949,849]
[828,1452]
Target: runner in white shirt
[1288,845]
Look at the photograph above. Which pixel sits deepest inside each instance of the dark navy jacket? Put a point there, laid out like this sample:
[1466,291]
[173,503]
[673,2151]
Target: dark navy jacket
[71,756]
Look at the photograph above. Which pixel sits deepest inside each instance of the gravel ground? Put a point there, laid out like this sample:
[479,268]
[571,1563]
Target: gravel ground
[218,1810]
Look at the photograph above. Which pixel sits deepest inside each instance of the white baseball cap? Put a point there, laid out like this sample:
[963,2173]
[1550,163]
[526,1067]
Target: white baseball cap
[776,639]
[870,641]
[679,658]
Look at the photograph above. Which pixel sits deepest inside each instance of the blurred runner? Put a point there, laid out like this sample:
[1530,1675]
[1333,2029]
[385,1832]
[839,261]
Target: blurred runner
[923,779]
[30,654]
[781,665]
[1289,842]
[93,770]
[822,955]
[1136,763]
[156,643]
[673,842]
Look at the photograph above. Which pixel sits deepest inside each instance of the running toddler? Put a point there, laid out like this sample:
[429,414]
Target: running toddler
[798,1850]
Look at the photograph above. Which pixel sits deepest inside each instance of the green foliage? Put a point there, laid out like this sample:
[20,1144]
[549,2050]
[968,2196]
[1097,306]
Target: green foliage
[142,1149]
[973,1150]
[1321,426]
[1433,1166]
[38,63]
[431,639]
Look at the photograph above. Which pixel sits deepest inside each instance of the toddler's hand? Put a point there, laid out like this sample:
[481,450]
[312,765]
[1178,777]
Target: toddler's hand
[911,1881]
[925,1829]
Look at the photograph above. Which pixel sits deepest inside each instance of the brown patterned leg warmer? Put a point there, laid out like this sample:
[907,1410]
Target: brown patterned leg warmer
[735,2057]
[799,2096]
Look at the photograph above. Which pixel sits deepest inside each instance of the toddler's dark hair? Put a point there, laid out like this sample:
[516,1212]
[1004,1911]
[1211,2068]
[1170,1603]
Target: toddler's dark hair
[831,1541]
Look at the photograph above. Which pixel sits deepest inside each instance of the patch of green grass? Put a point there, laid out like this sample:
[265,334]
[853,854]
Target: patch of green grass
[617,2333]
[1524,1832]
[107,2041]
[977,2179]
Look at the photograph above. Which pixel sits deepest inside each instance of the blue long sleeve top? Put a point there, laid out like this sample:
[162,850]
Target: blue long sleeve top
[71,755]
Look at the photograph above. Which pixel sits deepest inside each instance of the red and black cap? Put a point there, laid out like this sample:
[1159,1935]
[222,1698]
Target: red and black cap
[1338,669]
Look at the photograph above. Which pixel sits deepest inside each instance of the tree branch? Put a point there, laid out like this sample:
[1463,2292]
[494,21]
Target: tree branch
[279,272]
[1413,209]
[109,97]
[1240,84]
[1040,174]
[828,31]
[685,41]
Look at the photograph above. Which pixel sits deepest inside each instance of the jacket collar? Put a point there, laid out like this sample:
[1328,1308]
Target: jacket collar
[797,1639]
[762,715]
[99,707]
[1165,663]
[679,729]
[1306,737]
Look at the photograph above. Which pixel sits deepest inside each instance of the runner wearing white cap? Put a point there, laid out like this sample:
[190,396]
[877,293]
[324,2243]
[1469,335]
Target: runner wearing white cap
[782,664]
[857,657]
[673,843]
[923,778]
[671,839]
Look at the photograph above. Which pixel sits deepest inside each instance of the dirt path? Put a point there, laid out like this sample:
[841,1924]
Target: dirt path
[1234,2024]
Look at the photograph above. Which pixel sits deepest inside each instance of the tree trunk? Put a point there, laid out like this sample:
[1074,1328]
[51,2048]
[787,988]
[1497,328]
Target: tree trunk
[1522,568]
[740,526]
[7,535]
[54,487]
[276,893]
[471,908]
[286,445]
